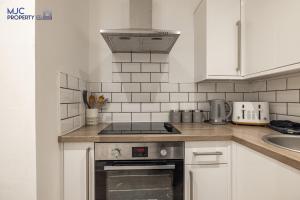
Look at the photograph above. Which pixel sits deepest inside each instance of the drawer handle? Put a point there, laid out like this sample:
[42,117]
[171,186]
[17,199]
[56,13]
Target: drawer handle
[216,153]
[191,185]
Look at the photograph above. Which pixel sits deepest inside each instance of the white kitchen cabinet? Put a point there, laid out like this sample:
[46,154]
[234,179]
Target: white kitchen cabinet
[271,42]
[78,171]
[256,176]
[217,40]
[207,171]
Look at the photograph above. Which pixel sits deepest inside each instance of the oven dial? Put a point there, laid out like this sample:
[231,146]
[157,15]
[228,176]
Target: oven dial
[163,152]
[116,153]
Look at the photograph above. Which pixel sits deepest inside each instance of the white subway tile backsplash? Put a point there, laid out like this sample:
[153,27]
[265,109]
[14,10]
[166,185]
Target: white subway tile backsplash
[73,110]
[259,86]
[111,87]
[287,117]
[188,106]
[161,58]
[288,96]
[179,97]
[164,67]
[160,97]
[112,107]
[169,87]
[82,85]
[242,87]
[141,57]
[267,96]
[166,107]
[278,108]
[140,77]
[187,87]
[77,122]
[63,111]
[131,107]
[206,87]
[160,77]
[150,87]
[121,97]
[131,87]
[73,82]
[234,97]
[196,97]
[131,67]
[78,96]
[94,87]
[105,117]
[276,84]
[211,96]
[252,96]
[66,96]
[67,125]
[150,107]
[141,117]
[293,82]
[116,67]
[63,80]
[293,109]
[160,117]
[140,97]
[205,106]
[121,77]
[150,67]
[121,117]
[121,57]
[225,87]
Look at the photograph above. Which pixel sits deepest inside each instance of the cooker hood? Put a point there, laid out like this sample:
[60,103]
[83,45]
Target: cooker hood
[140,37]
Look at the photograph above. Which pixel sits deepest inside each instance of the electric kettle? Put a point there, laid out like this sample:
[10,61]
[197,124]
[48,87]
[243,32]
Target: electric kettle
[217,113]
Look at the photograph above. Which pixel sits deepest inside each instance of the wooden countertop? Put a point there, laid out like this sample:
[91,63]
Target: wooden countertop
[250,136]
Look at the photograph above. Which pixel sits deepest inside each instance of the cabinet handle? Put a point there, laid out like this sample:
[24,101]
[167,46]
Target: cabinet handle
[88,173]
[191,186]
[216,153]
[239,58]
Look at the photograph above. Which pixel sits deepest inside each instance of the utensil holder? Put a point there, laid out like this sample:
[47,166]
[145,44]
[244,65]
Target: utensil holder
[91,116]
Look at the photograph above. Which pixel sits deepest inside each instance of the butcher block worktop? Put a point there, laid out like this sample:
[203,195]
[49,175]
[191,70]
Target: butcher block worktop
[250,136]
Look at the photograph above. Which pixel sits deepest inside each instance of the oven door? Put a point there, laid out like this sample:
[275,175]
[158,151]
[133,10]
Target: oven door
[139,180]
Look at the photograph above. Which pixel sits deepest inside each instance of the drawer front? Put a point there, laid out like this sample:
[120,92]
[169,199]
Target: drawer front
[207,152]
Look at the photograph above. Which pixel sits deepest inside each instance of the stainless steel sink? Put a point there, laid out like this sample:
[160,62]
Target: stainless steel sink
[289,142]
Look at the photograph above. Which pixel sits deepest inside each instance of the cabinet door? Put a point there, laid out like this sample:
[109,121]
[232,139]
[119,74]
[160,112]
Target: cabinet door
[271,34]
[78,171]
[207,182]
[222,37]
[259,177]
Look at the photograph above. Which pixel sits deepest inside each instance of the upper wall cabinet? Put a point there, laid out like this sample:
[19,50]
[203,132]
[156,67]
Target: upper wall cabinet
[217,34]
[271,41]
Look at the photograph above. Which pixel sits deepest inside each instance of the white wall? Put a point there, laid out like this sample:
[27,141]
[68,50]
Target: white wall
[167,14]
[17,107]
[61,46]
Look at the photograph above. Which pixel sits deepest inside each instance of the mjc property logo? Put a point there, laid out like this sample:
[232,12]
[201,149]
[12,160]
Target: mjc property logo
[19,13]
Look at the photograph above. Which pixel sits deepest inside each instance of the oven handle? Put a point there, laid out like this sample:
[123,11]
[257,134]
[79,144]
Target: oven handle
[132,167]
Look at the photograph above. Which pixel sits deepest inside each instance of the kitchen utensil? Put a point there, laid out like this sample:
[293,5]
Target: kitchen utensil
[92,116]
[84,95]
[217,113]
[251,113]
[92,101]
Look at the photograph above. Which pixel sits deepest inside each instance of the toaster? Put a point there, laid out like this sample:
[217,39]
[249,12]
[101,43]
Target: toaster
[251,113]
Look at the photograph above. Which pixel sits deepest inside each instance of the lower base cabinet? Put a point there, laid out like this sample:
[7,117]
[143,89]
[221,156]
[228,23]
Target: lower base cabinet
[207,171]
[258,177]
[78,171]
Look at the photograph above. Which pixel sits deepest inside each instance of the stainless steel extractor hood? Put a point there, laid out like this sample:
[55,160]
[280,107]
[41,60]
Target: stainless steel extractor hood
[140,37]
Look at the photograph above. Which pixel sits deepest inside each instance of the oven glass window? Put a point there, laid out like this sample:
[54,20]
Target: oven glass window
[140,185]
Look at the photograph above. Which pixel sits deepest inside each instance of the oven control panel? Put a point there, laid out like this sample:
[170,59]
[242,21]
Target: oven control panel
[139,151]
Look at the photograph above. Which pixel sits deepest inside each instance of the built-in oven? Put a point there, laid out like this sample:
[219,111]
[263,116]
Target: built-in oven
[139,171]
